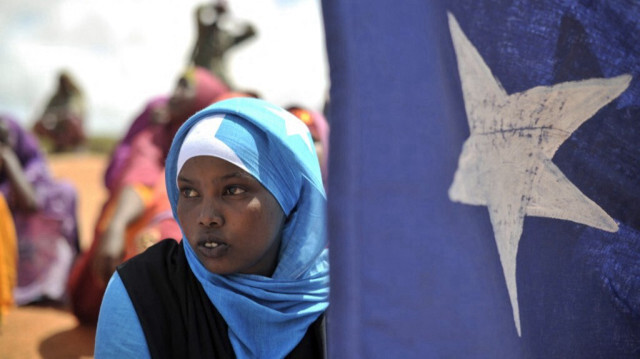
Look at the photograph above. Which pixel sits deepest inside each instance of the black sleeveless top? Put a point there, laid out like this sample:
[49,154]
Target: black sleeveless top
[177,317]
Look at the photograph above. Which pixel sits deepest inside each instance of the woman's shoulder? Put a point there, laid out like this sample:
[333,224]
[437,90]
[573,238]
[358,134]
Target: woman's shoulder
[161,268]
[174,311]
[119,332]
[161,249]
[157,260]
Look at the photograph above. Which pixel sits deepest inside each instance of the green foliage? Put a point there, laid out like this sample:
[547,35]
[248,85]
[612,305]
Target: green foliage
[95,144]
[98,144]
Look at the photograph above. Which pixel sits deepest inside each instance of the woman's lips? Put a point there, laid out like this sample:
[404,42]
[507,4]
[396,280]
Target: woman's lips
[212,248]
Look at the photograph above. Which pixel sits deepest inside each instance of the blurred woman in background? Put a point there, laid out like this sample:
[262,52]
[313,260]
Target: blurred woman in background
[61,124]
[319,129]
[43,213]
[137,212]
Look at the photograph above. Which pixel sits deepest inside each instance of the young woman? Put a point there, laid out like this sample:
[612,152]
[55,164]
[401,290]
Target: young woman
[251,278]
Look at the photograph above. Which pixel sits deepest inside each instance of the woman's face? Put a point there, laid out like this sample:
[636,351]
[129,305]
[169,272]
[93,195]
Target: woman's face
[231,221]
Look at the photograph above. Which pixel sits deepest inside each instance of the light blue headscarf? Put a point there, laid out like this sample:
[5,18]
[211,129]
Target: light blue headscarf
[267,316]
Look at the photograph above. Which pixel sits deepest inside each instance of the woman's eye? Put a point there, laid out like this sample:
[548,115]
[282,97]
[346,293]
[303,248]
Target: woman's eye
[234,190]
[189,192]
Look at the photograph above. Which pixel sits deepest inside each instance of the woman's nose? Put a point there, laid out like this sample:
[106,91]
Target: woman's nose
[210,214]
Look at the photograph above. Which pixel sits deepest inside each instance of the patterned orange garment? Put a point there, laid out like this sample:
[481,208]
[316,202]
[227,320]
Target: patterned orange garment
[8,258]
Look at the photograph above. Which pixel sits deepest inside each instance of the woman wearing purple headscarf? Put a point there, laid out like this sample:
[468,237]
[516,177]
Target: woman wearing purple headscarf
[44,214]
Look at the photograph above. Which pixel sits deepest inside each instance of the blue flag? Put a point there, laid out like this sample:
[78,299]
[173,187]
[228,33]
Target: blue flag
[484,189]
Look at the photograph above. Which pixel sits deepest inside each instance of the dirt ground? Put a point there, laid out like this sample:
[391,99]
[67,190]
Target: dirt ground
[48,331]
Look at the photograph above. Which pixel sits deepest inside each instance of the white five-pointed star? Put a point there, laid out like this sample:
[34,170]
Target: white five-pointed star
[294,126]
[506,161]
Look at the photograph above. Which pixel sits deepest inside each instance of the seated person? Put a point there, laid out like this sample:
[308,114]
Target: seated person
[43,213]
[137,212]
[61,124]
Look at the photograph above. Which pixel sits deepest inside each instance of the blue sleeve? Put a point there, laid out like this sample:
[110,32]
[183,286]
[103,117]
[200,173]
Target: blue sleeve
[119,333]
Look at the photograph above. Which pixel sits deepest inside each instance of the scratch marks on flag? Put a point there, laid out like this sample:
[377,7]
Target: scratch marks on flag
[506,164]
